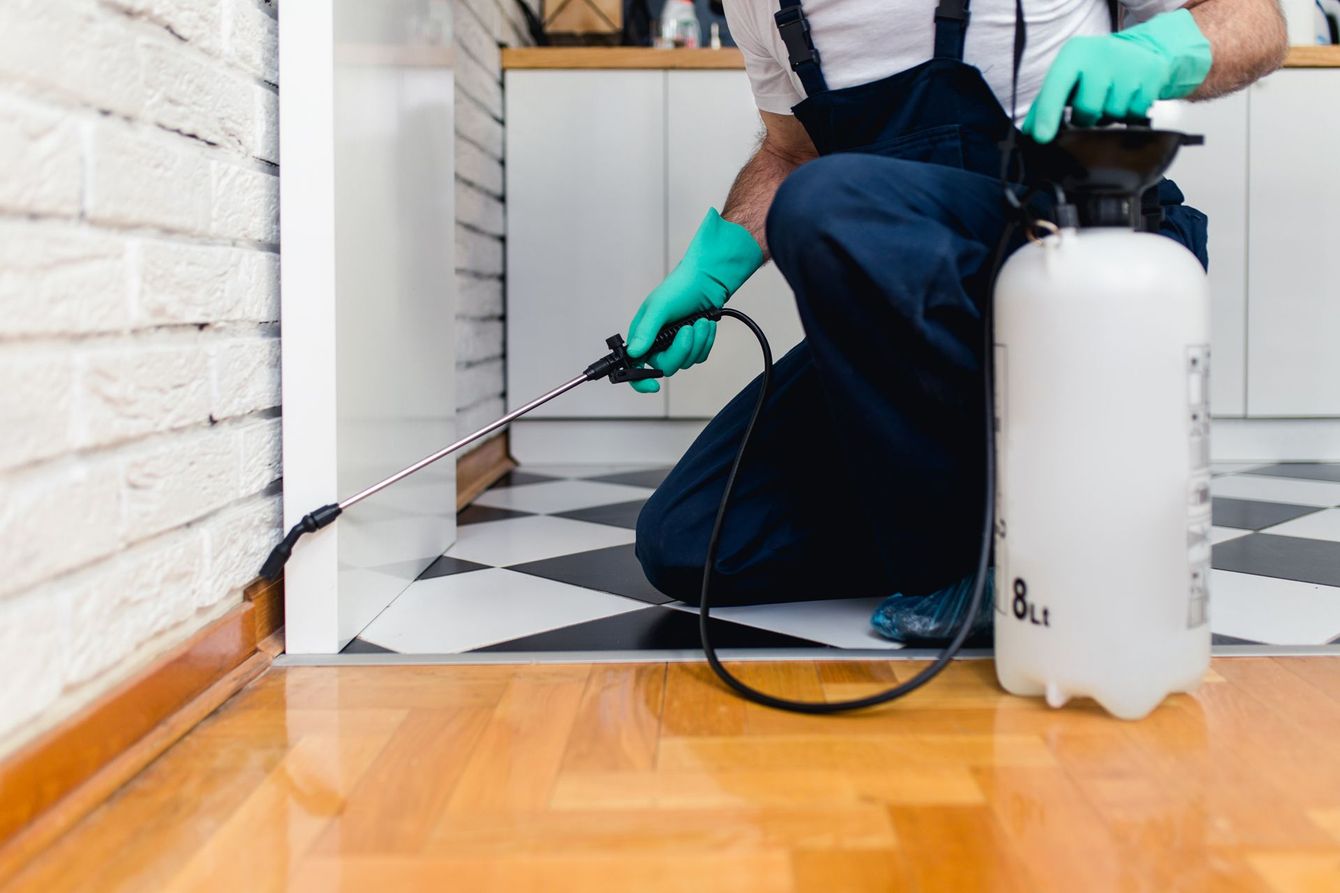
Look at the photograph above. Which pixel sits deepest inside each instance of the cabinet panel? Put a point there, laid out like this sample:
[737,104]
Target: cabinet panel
[585,228]
[713,129]
[1294,278]
[1214,178]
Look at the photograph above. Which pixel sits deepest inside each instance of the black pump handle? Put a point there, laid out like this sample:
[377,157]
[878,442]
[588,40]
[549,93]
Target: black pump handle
[1128,121]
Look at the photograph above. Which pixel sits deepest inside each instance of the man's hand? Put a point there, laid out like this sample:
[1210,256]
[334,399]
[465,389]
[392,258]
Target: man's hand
[1121,75]
[720,258]
[723,254]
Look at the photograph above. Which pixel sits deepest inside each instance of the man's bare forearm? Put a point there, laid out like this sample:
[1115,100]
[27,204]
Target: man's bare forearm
[1247,39]
[754,187]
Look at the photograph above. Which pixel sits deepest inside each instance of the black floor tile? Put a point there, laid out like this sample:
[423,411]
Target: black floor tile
[651,477]
[480,514]
[620,514]
[361,646]
[445,567]
[1312,471]
[1284,557]
[520,478]
[1248,514]
[648,629]
[614,569]
[1221,639]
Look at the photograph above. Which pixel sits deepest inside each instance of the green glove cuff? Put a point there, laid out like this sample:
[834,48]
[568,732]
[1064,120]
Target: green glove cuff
[723,251]
[1178,39]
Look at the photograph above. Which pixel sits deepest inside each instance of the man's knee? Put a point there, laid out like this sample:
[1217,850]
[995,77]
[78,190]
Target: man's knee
[806,203]
[664,552]
[827,209]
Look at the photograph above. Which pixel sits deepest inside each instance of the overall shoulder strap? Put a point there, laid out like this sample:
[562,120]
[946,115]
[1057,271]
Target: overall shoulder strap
[795,31]
[951,26]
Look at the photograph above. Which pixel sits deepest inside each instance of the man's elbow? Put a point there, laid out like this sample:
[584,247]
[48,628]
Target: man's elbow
[1249,39]
[1275,42]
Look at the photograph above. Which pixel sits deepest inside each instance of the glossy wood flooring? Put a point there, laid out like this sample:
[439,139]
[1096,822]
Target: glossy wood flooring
[652,778]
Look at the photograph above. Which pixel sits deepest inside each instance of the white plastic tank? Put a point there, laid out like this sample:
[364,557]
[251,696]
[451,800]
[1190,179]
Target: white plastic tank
[1103,522]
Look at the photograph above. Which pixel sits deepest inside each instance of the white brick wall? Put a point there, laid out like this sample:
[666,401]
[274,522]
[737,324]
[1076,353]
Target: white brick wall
[481,25]
[139,382]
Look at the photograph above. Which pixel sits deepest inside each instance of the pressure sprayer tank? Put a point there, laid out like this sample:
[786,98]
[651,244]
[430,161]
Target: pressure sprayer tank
[1102,401]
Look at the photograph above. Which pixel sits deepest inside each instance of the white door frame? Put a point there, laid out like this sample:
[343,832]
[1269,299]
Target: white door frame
[367,301]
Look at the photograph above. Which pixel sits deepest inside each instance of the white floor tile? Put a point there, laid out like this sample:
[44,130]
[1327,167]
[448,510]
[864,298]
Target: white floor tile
[841,623]
[1268,489]
[363,595]
[1224,534]
[1232,467]
[560,496]
[448,615]
[517,540]
[368,542]
[1317,526]
[585,471]
[1276,612]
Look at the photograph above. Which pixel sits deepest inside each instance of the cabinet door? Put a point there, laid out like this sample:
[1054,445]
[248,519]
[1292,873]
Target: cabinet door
[713,129]
[1214,179]
[1293,281]
[585,228]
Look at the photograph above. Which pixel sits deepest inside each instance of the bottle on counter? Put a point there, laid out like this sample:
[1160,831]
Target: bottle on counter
[679,25]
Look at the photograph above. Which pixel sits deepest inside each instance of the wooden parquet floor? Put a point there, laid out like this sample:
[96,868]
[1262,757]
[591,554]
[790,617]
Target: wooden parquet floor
[651,777]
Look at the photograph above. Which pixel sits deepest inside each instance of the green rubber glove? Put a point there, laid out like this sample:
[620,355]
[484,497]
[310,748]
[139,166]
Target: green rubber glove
[720,258]
[1120,75]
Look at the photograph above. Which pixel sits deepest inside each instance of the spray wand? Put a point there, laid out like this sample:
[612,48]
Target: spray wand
[616,365]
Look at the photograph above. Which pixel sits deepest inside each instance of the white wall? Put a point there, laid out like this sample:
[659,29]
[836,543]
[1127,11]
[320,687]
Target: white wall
[139,343]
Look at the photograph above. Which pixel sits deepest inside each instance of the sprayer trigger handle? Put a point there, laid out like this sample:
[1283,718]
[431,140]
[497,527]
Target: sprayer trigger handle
[666,336]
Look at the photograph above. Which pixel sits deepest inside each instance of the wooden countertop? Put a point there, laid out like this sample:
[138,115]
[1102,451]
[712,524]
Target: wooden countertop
[728,58]
[1313,57]
[619,57]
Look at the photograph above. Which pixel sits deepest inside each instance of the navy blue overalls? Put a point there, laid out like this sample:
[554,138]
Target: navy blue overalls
[864,477]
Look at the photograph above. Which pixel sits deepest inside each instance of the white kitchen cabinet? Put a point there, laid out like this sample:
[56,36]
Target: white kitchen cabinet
[1293,341]
[712,129]
[1214,179]
[585,229]
[610,172]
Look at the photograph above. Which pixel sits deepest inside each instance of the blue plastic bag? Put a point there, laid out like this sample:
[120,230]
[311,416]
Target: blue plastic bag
[932,619]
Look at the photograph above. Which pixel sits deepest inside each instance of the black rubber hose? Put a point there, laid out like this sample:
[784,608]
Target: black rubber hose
[983,557]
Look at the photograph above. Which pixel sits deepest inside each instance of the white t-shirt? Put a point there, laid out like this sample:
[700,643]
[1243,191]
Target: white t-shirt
[860,41]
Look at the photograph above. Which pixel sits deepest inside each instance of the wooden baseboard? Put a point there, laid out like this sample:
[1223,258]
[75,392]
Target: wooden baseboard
[52,782]
[266,597]
[480,468]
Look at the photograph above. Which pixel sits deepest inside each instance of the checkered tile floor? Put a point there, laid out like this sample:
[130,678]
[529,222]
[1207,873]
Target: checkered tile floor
[544,563]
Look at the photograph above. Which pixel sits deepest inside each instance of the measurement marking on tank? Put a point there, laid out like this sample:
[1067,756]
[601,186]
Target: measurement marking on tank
[1024,609]
[1199,496]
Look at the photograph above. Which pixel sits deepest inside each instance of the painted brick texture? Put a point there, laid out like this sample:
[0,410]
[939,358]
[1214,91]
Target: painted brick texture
[481,26]
[139,337]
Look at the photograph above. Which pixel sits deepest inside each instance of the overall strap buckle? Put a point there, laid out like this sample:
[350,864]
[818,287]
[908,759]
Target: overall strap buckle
[951,25]
[795,31]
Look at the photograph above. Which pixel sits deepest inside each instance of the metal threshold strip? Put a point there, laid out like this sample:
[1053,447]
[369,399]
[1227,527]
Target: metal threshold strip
[738,654]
